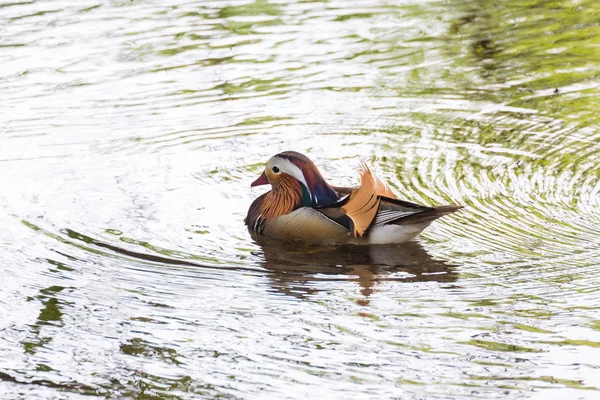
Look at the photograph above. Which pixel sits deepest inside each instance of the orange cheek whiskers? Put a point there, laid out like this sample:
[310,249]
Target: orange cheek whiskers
[285,197]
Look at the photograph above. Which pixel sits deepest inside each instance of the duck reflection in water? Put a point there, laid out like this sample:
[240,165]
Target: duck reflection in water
[298,269]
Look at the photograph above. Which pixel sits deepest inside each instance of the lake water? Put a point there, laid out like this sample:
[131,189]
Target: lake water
[131,131]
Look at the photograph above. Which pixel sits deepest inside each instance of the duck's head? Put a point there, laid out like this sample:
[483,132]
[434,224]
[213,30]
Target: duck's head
[291,165]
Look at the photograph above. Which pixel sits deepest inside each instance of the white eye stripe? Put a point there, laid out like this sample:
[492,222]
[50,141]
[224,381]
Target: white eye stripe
[289,168]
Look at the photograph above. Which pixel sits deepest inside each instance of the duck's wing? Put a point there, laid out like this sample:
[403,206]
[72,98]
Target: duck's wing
[400,212]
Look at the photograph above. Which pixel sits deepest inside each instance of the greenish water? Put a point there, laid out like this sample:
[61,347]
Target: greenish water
[131,131]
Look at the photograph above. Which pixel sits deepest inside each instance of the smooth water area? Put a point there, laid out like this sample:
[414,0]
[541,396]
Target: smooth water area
[130,132]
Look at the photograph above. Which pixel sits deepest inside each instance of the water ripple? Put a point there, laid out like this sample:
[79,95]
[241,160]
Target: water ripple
[131,132]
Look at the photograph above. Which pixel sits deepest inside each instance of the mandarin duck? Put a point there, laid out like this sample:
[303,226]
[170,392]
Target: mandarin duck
[302,207]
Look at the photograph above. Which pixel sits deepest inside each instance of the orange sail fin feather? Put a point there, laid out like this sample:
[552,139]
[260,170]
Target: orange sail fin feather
[303,207]
[382,189]
[363,202]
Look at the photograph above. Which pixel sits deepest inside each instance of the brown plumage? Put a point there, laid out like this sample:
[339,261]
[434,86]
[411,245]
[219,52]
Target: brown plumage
[303,207]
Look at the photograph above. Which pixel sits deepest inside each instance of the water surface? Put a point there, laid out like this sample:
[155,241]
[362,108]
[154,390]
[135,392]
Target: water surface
[131,131]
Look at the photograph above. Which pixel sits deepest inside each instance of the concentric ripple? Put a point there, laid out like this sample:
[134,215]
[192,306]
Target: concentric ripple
[131,132]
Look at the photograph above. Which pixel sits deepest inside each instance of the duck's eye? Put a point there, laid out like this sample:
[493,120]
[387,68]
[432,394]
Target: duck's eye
[275,169]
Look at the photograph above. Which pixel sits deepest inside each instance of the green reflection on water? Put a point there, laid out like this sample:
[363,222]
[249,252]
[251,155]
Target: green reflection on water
[259,7]
[547,379]
[535,51]
[496,346]
[50,314]
[141,347]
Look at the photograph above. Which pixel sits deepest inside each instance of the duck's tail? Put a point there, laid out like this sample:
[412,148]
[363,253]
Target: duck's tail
[428,215]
